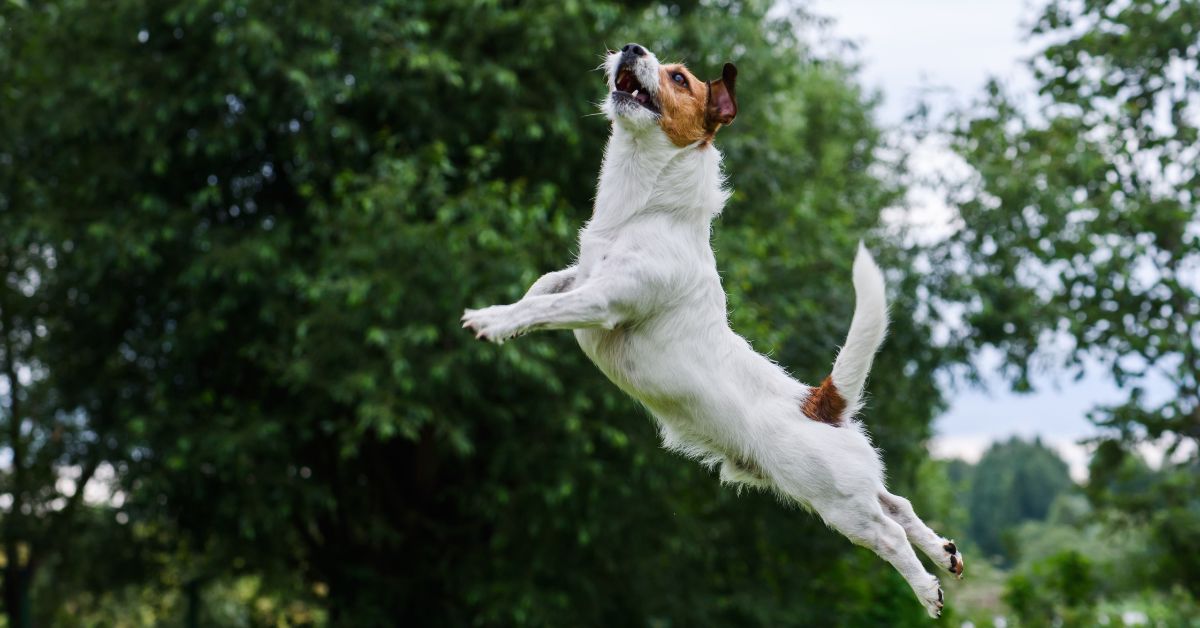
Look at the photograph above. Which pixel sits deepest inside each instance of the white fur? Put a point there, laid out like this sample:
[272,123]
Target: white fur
[867,329]
[646,305]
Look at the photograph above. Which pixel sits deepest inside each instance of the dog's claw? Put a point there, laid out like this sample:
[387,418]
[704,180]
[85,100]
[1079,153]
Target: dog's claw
[931,598]
[490,324]
[956,560]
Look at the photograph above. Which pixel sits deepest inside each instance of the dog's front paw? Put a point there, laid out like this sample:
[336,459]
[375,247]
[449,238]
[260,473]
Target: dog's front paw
[493,323]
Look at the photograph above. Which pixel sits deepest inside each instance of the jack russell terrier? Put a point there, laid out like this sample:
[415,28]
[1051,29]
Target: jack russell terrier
[646,305]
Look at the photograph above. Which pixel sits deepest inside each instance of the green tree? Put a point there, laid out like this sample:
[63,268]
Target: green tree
[50,449]
[1014,481]
[1060,589]
[267,216]
[1160,501]
[1081,231]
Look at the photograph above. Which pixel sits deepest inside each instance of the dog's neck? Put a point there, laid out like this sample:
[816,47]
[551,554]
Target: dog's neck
[644,172]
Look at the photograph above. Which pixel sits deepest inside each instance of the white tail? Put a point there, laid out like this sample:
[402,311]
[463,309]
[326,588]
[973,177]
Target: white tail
[867,330]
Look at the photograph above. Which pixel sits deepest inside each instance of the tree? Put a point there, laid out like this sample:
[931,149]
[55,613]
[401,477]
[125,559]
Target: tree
[270,216]
[51,449]
[1014,482]
[1080,229]
[1061,588]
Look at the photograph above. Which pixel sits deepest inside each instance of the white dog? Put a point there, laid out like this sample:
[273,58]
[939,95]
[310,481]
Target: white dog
[646,304]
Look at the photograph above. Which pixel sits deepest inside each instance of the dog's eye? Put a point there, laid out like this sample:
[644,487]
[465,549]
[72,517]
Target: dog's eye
[678,77]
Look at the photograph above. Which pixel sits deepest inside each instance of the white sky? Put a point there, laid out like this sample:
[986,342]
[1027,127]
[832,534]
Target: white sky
[947,49]
[950,45]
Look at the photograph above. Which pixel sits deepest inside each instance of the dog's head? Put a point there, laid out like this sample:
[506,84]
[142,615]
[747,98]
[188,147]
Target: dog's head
[645,94]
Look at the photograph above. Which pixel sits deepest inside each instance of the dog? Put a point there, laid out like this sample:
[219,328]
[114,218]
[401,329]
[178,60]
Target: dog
[646,305]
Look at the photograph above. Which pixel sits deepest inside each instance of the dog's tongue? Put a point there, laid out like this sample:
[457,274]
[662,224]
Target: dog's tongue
[641,96]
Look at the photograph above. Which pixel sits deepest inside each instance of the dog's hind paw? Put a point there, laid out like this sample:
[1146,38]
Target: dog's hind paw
[955,559]
[933,600]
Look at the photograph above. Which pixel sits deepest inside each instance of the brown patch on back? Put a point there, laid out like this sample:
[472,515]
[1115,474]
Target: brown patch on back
[825,404]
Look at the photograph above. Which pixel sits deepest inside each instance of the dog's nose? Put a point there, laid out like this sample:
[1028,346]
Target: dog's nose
[634,49]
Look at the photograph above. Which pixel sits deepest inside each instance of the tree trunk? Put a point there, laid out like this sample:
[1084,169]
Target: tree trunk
[16,574]
[16,593]
[192,592]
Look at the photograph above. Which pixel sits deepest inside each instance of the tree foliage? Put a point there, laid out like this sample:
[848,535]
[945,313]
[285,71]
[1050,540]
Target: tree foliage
[1015,481]
[1081,223]
[1079,237]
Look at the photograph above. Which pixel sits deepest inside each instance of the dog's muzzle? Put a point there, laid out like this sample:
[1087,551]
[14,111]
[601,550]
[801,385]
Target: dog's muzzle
[628,87]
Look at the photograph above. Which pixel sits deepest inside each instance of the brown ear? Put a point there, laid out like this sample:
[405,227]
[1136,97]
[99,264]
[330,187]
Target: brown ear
[722,99]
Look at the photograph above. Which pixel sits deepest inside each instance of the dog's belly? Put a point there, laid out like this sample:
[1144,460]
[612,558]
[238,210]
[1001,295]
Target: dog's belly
[675,376]
[643,366]
[712,394]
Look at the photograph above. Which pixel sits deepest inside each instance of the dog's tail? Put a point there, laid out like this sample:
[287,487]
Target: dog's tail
[839,397]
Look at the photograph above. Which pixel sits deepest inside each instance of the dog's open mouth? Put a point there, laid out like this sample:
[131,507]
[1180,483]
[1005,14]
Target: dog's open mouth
[629,87]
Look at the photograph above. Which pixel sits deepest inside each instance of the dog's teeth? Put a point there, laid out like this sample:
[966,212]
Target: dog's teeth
[635,93]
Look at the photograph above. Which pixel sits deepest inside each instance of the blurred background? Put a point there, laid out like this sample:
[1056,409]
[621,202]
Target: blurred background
[236,237]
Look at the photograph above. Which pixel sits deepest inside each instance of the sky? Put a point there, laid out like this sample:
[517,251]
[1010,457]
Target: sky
[950,45]
[947,50]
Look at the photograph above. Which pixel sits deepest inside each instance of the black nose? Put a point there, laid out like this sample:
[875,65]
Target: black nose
[634,49]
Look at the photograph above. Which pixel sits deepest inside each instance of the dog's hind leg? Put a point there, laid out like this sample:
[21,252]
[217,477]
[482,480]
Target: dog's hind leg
[863,521]
[941,550]
[739,472]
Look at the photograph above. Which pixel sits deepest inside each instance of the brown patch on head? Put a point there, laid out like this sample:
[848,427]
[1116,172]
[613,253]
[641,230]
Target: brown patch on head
[825,404]
[693,110]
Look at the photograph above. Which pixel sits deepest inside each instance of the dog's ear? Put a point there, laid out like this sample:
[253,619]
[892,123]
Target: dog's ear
[722,99]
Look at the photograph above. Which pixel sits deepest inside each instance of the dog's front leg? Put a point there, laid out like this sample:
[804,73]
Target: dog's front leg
[553,282]
[593,304]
